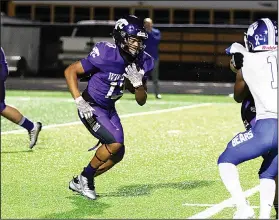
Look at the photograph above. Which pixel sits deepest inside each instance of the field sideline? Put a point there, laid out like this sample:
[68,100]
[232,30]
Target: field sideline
[169,169]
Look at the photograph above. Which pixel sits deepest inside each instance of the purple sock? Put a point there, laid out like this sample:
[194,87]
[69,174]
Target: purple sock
[25,123]
[89,171]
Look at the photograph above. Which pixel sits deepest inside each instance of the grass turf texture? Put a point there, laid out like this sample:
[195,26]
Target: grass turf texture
[170,160]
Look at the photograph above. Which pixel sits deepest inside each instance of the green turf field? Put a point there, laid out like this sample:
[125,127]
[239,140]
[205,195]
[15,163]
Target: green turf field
[169,170]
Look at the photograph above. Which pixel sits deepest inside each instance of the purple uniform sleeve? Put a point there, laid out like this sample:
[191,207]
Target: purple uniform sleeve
[94,61]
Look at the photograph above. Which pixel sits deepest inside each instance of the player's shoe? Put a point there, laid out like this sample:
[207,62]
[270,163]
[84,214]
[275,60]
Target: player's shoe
[74,185]
[244,212]
[84,186]
[34,133]
[158,96]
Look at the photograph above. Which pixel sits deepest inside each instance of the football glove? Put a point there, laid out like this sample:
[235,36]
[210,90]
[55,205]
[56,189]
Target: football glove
[85,110]
[237,60]
[134,75]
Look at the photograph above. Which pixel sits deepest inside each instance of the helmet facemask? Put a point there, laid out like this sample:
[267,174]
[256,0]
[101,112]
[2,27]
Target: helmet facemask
[133,45]
[248,45]
[129,35]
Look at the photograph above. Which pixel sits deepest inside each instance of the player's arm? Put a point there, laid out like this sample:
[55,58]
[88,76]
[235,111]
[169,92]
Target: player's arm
[241,89]
[157,35]
[71,74]
[135,76]
[129,86]
[141,94]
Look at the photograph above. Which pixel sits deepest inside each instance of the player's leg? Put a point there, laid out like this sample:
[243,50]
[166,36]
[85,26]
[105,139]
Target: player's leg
[112,138]
[267,175]
[16,117]
[245,146]
[111,134]
[116,158]
[111,162]
[155,79]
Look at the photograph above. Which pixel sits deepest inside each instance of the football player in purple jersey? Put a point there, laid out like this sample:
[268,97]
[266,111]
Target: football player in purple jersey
[110,67]
[11,113]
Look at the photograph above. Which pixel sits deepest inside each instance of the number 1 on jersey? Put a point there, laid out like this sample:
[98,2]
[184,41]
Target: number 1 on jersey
[111,90]
[274,70]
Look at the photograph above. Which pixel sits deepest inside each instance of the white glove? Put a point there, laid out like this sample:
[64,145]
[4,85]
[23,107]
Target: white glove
[85,110]
[134,75]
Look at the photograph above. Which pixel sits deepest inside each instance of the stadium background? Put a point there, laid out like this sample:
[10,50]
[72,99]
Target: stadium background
[194,33]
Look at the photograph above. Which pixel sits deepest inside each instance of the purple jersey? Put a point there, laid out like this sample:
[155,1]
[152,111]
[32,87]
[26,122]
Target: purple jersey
[108,67]
[4,66]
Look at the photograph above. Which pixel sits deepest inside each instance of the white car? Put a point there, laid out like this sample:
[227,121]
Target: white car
[83,38]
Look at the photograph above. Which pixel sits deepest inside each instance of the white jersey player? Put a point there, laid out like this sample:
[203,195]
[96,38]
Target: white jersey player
[259,71]
[256,70]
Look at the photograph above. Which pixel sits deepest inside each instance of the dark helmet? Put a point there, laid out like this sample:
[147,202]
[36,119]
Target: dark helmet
[129,35]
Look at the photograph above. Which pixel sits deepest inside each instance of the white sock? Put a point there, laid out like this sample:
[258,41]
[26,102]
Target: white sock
[267,194]
[230,178]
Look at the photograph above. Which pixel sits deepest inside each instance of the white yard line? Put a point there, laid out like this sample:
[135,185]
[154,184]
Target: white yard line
[49,99]
[219,207]
[121,116]
[59,99]
[210,205]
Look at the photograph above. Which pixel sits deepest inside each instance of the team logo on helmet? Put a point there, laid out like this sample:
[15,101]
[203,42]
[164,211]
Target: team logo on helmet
[262,35]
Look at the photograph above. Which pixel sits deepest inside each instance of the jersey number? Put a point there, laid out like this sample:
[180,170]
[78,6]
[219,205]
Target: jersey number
[111,89]
[274,71]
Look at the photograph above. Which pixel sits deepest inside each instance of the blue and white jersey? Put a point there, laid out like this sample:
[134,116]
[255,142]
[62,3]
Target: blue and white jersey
[260,73]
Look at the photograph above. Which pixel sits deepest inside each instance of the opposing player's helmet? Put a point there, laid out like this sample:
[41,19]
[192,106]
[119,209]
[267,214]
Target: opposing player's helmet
[262,35]
[129,35]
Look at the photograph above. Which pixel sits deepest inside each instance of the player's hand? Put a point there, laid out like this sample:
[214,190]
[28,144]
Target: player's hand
[237,60]
[134,75]
[85,110]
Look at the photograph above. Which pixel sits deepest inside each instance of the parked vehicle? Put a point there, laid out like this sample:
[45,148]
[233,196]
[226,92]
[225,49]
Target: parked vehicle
[83,38]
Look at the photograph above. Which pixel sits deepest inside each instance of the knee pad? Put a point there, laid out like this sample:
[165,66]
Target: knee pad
[117,157]
[113,148]
[116,154]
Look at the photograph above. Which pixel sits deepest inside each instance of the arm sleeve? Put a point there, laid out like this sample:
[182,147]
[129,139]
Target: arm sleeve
[88,66]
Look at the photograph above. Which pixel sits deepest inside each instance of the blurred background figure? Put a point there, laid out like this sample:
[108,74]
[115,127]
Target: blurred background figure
[152,44]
